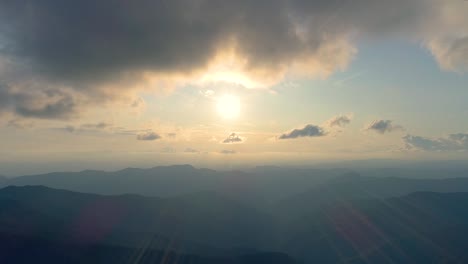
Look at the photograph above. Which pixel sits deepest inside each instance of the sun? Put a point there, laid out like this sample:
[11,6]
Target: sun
[228,106]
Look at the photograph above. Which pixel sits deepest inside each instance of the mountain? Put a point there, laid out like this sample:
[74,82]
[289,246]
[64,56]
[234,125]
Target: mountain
[22,249]
[199,217]
[260,187]
[421,227]
[353,186]
[416,173]
[257,187]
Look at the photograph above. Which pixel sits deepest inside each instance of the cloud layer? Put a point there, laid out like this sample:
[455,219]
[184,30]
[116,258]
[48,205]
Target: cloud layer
[57,57]
[453,142]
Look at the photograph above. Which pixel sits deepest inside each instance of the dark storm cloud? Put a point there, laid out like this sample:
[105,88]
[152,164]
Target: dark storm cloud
[149,136]
[233,138]
[453,142]
[89,40]
[307,131]
[61,109]
[99,49]
[383,126]
[42,104]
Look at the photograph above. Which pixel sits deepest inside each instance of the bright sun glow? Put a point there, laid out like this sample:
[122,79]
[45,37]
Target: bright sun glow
[228,106]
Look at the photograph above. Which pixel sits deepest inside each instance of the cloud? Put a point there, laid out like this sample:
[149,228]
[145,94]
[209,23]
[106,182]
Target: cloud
[207,93]
[191,150]
[168,150]
[339,121]
[70,129]
[461,139]
[184,35]
[453,142]
[233,138]
[228,152]
[383,126]
[84,42]
[138,103]
[90,52]
[307,131]
[451,54]
[100,125]
[171,135]
[20,124]
[148,136]
[63,108]
[88,127]
[38,103]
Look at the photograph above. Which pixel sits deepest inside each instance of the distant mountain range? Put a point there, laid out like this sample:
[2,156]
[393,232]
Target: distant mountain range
[260,186]
[352,186]
[421,227]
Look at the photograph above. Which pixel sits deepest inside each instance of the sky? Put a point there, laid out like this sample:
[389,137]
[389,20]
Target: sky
[214,83]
